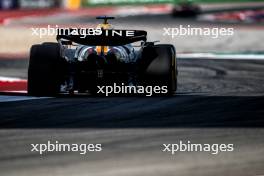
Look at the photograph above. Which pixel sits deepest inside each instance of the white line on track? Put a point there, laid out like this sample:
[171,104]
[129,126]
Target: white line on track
[9,79]
[221,56]
[11,98]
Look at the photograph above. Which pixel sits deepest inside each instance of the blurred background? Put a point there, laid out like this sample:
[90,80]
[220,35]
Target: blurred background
[220,85]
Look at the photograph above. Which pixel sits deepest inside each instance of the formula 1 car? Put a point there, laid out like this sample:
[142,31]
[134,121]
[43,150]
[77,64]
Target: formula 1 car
[186,9]
[84,59]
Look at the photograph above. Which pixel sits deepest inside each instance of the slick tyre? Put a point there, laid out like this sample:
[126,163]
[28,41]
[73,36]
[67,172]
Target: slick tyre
[45,70]
[162,69]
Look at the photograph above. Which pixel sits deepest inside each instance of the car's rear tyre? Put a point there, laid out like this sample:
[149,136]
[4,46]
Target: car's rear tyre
[45,70]
[162,67]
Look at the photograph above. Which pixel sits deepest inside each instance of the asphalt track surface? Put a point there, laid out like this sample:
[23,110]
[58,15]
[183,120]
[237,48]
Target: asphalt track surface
[218,101]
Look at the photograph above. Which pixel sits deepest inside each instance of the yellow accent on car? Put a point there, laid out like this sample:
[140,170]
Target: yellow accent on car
[104,26]
[102,49]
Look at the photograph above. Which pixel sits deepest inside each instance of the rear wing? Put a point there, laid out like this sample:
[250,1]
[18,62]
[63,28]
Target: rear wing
[98,36]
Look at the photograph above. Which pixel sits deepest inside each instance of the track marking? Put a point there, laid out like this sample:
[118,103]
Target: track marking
[14,90]
[11,98]
[10,79]
[12,84]
[221,56]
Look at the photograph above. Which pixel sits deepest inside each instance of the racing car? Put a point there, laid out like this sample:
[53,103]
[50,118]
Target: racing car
[186,9]
[83,59]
